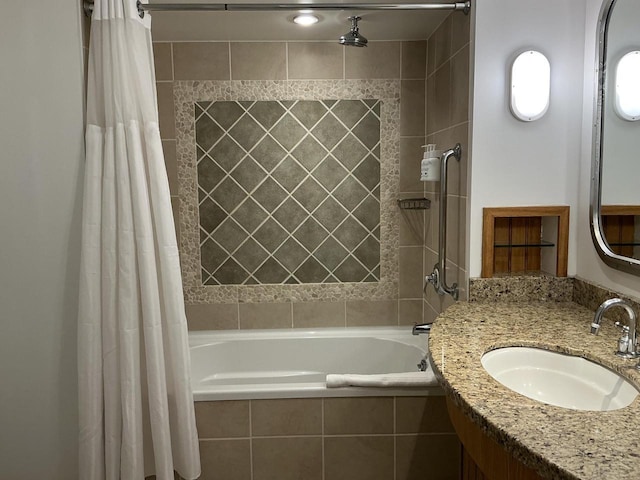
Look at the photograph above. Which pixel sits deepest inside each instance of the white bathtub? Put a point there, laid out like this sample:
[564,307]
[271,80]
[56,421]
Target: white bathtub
[260,364]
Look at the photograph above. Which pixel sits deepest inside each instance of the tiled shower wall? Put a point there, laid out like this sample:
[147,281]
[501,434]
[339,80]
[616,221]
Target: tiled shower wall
[447,107]
[403,62]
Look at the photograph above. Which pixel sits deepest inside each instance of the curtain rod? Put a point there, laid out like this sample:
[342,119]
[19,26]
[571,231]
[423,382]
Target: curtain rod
[248,7]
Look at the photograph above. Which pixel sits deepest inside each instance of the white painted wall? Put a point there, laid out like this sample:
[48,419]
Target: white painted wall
[589,265]
[525,163]
[41,152]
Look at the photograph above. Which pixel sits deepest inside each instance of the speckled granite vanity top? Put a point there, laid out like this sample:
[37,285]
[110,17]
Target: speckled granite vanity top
[556,442]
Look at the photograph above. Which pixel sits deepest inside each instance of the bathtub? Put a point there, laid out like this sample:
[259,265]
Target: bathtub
[293,363]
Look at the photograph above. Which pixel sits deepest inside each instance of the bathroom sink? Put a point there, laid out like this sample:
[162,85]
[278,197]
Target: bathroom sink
[558,379]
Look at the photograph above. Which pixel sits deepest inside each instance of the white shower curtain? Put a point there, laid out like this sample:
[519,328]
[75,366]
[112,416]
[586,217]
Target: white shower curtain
[136,406]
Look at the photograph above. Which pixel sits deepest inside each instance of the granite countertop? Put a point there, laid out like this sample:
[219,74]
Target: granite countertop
[556,442]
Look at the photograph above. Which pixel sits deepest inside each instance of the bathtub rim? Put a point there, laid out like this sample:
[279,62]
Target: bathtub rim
[400,334]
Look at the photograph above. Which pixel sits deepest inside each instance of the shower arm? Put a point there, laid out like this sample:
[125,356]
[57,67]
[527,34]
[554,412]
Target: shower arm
[438,278]
[142,7]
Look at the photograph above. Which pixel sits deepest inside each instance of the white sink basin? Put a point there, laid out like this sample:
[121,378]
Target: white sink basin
[558,379]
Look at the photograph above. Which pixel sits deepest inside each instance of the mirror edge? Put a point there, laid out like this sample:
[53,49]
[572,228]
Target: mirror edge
[627,264]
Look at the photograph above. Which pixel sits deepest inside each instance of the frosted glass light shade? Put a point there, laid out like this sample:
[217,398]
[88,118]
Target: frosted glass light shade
[530,86]
[627,104]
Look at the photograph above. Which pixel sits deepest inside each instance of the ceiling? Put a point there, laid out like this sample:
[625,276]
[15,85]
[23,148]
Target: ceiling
[272,26]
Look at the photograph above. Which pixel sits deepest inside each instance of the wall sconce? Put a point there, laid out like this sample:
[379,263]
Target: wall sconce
[627,104]
[530,86]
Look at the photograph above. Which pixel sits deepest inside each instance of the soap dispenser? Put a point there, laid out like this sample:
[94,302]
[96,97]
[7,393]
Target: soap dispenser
[430,165]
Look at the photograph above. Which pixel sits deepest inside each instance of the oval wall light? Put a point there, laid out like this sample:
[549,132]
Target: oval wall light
[530,86]
[627,103]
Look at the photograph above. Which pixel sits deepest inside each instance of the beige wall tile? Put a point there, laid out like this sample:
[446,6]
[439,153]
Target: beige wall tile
[414,59]
[318,314]
[315,60]
[372,312]
[420,457]
[163,61]
[410,311]
[286,417]
[460,86]
[429,315]
[411,153]
[358,458]
[201,61]
[422,415]
[214,316]
[456,230]
[287,458]
[227,459]
[169,150]
[258,61]
[361,415]
[378,60]
[410,274]
[265,315]
[222,419]
[432,223]
[439,46]
[166,113]
[411,231]
[460,31]
[175,207]
[412,108]
[438,99]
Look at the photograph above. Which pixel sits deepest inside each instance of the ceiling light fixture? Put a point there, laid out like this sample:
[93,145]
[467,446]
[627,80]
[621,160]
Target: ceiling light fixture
[305,19]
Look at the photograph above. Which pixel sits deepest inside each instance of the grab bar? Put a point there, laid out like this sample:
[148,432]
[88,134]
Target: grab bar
[438,277]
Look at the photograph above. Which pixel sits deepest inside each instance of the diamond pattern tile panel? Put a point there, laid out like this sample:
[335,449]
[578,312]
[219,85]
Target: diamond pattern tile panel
[289,191]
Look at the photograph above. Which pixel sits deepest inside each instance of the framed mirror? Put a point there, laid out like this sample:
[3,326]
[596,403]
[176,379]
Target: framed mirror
[615,177]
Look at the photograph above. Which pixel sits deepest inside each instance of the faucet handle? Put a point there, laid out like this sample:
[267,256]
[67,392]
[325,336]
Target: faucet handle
[625,345]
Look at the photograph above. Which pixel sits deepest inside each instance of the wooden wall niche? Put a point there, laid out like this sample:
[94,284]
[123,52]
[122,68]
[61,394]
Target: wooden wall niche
[621,227]
[525,240]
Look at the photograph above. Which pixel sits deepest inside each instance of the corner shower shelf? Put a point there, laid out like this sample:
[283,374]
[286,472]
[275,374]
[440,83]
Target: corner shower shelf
[414,203]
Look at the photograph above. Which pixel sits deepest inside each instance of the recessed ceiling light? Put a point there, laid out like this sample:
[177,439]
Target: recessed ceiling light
[305,19]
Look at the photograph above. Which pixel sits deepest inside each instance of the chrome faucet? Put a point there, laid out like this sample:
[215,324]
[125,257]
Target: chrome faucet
[628,342]
[419,328]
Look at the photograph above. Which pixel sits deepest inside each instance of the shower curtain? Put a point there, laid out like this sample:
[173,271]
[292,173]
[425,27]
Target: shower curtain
[136,406]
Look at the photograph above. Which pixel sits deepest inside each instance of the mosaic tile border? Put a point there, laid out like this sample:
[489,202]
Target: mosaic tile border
[186,93]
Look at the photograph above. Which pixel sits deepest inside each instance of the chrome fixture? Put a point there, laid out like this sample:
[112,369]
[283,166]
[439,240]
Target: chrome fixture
[353,38]
[463,7]
[438,277]
[628,342]
[422,366]
[419,328]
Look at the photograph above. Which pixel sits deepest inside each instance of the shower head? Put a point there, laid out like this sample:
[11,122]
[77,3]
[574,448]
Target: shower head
[353,38]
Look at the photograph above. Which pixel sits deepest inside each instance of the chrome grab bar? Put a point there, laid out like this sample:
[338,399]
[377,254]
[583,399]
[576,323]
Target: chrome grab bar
[438,278]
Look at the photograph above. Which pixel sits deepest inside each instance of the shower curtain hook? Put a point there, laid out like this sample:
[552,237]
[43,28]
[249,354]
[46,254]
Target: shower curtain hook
[140,9]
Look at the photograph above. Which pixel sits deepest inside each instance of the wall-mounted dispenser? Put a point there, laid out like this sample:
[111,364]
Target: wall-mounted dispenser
[430,165]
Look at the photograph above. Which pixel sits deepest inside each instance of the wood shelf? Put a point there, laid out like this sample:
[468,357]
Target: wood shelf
[512,239]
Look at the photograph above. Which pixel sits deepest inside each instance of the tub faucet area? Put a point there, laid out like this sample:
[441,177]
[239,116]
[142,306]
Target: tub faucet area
[628,342]
[419,328]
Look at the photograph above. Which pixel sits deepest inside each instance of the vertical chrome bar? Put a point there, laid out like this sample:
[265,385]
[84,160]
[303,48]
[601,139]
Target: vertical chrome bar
[439,275]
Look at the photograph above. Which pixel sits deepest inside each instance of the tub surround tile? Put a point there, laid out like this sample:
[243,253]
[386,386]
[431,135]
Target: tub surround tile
[439,46]
[265,315]
[227,459]
[410,284]
[365,415]
[359,458]
[315,60]
[212,316]
[420,457]
[169,150]
[361,313]
[201,61]
[287,458]
[439,99]
[414,58]
[422,415]
[283,417]
[556,442]
[411,152]
[319,314]
[460,77]
[163,61]
[412,228]
[409,312]
[166,116]
[258,61]
[222,419]
[378,60]
[412,105]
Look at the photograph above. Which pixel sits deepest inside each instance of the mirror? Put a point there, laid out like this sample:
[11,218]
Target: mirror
[615,191]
